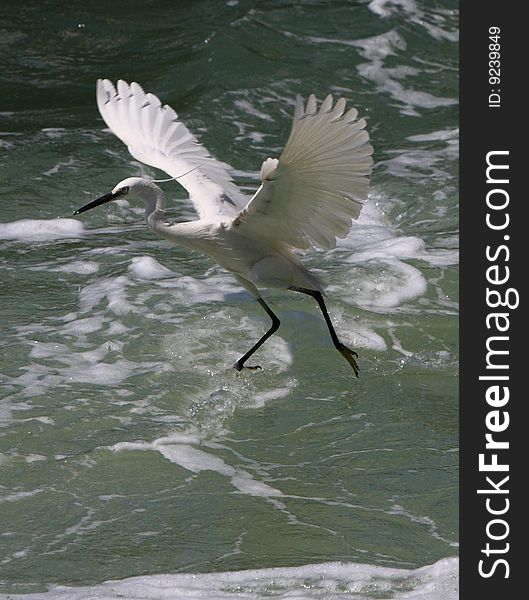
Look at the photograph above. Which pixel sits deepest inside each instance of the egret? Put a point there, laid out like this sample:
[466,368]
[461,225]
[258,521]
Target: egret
[308,196]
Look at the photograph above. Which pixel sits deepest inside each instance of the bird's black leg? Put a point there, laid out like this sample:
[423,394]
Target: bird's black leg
[347,353]
[239,365]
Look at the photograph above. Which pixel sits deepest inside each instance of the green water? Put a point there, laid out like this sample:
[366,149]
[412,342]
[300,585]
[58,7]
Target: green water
[128,444]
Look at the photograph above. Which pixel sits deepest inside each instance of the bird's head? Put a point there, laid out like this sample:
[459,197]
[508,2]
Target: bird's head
[130,188]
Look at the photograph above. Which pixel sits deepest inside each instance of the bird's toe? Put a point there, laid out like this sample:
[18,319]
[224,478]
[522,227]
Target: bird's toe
[239,367]
[350,356]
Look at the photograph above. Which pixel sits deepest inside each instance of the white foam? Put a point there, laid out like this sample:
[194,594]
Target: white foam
[80,267]
[386,8]
[180,450]
[31,458]
[391,285]
[387,79]
[384,280]
[261,398]
[113,290]
[41,229]
[83,326]
[359,335]
[192,348]
[7,406]
[79,366]
[249,108]
[146,267]
[15,496]
[396,345]
[189,350]
[186,290]
[190,290]
[427,160]
[60,165]
[54,132]
[443,135]
[203,353]
[325,581]
[396,509]
[389,248]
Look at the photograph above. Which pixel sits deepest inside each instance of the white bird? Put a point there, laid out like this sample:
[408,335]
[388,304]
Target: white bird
[307,197]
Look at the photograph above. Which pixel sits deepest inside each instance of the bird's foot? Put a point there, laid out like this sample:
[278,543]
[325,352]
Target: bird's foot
[350,356]
[239,367]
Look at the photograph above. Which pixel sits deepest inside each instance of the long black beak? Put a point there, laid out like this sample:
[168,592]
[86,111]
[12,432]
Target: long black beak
[97,202]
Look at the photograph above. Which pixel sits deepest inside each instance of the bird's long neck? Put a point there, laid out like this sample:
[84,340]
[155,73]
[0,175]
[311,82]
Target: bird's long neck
[154,204]
[155,217]
[189,234]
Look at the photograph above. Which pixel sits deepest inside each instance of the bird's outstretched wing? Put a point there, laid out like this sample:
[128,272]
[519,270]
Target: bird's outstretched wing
[155,136]
[309,195]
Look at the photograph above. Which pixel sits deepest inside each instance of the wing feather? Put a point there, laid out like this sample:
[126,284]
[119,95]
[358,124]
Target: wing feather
[155,136]
[311,194]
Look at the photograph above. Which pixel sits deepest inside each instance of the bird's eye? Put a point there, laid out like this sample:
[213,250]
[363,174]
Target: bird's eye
[124,189]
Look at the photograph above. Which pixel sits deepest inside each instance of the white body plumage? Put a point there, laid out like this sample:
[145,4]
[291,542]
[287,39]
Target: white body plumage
[256,262]
[308,197]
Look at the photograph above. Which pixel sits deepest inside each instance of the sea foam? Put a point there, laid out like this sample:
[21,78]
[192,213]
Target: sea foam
[329,581]
[41,229]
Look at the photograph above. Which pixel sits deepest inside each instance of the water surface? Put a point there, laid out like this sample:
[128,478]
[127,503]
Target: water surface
[129,447]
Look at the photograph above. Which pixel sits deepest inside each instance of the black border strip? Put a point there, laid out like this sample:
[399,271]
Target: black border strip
[492,123]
